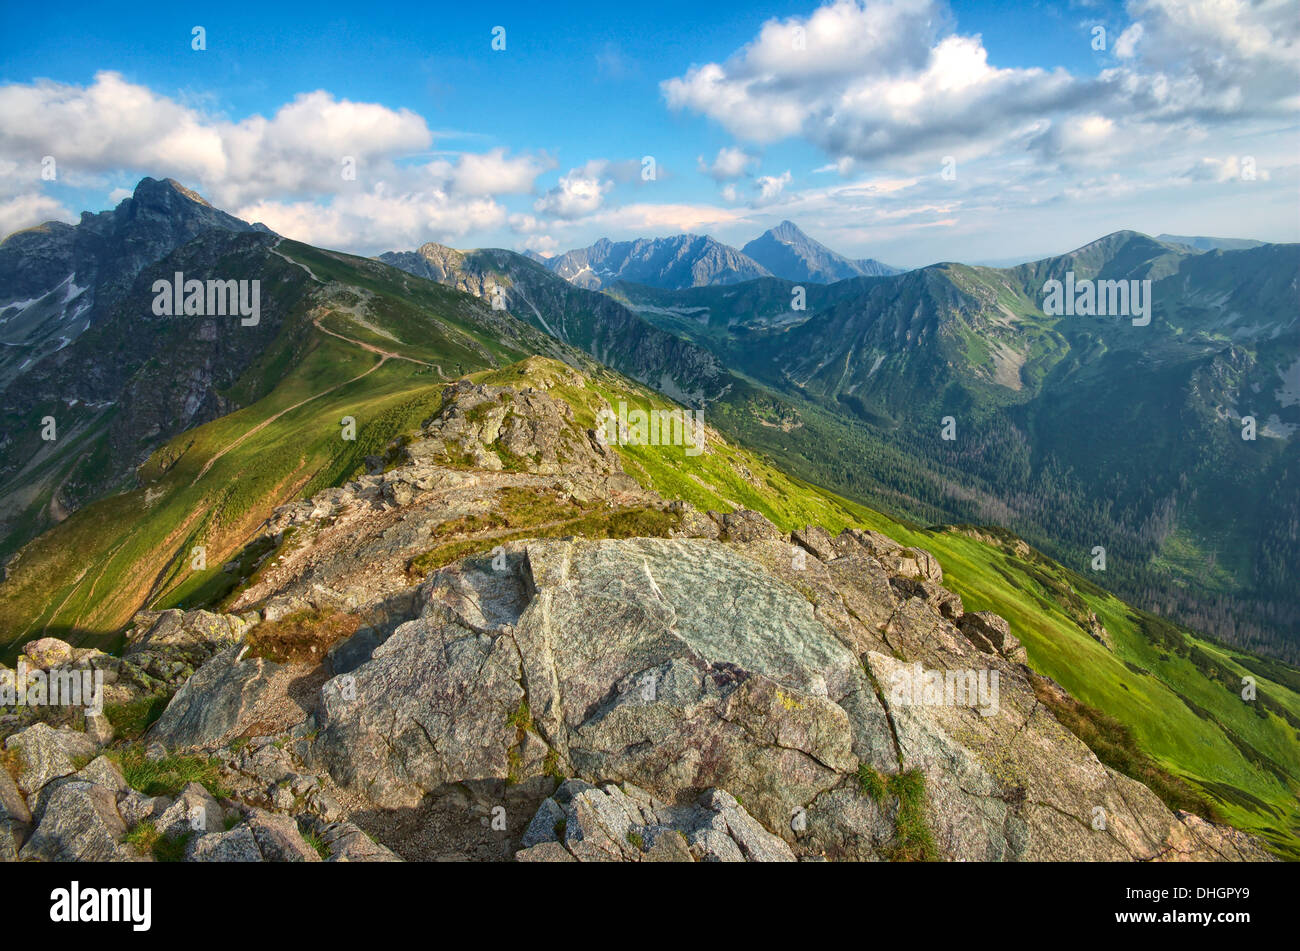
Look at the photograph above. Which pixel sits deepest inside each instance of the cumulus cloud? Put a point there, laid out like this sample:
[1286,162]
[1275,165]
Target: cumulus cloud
[313,169]
[23,211]
[728,165]
[491,173]
[1126,45]
[579,193]
[770,186]
[378,219]
[891,81]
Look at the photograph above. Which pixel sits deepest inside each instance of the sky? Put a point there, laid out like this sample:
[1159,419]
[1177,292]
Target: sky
[910,131]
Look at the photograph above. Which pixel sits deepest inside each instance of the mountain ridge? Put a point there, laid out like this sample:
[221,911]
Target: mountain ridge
[789,253]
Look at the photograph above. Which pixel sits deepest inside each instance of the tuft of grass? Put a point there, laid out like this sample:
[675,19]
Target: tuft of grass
[551,765]
[144,837]
[522,717]
[302,637]
[172,849]
[148,839]
[316,842]
[514,766]
[913,839]
[131,720]
[170,774]
[635,839]
[871,784]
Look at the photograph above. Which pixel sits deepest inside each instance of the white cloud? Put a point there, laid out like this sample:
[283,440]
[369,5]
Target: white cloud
[1127,43]
[579,193]
[23,211]
[728,165]
[491,173]
[377,220]
[770,186]
[287,170]
[890,81]
[1231,168]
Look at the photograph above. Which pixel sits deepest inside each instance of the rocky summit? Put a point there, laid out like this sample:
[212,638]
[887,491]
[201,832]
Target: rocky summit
[498,644]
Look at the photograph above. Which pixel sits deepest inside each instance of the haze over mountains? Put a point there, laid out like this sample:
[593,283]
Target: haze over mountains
[698,261]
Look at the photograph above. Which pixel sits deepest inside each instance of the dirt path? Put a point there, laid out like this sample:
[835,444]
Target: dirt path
[387,354]
[384,356]
[271,419]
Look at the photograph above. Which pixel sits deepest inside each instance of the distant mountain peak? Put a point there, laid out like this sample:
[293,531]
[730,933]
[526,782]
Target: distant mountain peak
[148,188]
[788,252]
[787,230]
[679,261]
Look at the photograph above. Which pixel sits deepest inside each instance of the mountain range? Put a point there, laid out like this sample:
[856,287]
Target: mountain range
[691,260]
[231,518]
[1135,432]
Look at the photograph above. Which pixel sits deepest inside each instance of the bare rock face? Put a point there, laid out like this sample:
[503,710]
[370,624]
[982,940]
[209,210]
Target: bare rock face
[1097,631]
[215,703]
[47,652]
[347,843]
[45,754]
[667,668]
[521,427]
[653,660]
[80,823]
[15,818]
[992,633]
[612,824]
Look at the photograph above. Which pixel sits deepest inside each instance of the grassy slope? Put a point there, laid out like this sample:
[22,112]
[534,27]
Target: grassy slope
[83,579]
[89,573]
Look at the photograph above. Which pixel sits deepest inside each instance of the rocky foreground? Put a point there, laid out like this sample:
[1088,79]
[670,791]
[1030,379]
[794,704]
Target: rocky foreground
[405,677]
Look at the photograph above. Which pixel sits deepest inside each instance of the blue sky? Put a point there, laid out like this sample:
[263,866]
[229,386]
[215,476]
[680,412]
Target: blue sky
[540,145]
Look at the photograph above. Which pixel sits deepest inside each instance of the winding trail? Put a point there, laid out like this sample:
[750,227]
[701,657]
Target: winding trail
[384,357]
[386,354]
[271,419]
